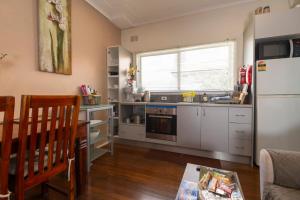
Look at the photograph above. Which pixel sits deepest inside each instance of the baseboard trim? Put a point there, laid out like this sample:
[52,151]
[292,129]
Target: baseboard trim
[183,150]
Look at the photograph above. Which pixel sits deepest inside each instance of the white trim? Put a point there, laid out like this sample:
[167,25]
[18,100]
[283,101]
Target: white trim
[184,48]
[232,62]
[178,70]
[70,160]
[3,196]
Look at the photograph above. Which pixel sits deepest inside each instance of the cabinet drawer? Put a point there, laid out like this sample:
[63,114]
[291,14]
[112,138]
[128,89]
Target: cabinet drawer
[240,115]
[240,131]
[132,132]
[240,147]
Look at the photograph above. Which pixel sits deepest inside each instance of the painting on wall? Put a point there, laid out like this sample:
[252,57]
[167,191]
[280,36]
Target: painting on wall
[55,36]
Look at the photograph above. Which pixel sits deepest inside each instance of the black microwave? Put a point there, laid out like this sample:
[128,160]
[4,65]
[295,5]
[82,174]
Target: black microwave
[278,49]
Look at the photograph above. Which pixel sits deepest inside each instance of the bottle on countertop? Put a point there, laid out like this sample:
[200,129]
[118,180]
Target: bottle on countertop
[147,96]
[205,98]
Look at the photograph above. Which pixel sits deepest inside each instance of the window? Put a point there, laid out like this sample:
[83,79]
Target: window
[201,68]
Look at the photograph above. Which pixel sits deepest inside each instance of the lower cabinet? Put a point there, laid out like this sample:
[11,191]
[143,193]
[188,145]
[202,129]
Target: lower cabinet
[214,129]
[222,129]
[188,126]
[132,132]
[240,131]
[240,147]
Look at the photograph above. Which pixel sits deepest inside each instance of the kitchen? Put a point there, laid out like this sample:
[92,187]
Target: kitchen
[171,99]
[229,126]
[160,122]
[191,127]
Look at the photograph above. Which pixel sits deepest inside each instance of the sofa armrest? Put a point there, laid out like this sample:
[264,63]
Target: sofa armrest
[286,165]
[266,170]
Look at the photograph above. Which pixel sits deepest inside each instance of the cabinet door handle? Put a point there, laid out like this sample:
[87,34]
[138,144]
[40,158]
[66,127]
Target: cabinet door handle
[204,113]
[238,147]
[240,115]
[161,116]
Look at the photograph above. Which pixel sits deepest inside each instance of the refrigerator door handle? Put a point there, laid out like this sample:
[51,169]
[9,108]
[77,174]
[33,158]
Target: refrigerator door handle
[291,48]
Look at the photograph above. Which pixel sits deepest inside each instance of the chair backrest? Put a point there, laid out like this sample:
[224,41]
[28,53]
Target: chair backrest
[7,105]
[46,141]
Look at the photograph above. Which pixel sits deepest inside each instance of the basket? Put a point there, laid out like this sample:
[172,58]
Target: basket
[91,99]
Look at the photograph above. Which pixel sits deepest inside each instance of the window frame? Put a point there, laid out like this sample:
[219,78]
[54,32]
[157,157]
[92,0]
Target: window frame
[178,51]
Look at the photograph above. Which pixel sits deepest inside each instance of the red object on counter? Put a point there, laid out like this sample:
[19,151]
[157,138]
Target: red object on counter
[249,75]
[242,75]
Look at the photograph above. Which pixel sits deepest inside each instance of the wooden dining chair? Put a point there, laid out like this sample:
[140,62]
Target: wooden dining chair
[46,141]
[7,105]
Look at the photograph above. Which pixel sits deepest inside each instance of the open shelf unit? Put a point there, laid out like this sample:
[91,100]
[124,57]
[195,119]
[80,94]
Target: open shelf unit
[118,62]
[129,127]
[99,130]
[130,111]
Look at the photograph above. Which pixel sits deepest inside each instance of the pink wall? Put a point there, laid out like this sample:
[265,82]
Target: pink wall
[91,34]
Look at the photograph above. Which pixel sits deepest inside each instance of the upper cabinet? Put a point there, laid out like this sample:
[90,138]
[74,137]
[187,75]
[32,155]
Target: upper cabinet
[277,24]
[188,126]
[214,129]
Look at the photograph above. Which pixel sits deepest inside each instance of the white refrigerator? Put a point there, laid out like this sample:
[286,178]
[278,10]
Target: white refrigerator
[278,105]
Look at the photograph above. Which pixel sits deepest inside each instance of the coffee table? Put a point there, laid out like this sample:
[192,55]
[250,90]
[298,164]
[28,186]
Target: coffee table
[192,174]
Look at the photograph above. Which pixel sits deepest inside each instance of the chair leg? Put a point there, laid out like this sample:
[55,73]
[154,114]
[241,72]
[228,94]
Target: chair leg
[20,193]
[71,194]
[45,191]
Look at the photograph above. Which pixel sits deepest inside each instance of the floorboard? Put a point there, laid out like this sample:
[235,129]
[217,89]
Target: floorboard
[135,173]
[146,174]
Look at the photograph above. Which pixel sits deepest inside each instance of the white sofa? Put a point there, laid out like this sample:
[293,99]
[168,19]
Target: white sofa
[279,175]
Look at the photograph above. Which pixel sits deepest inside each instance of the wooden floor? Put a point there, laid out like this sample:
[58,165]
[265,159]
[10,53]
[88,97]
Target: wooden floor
[145,174]
[135,173]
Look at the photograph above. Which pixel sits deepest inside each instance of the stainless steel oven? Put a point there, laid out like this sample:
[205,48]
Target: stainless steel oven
[161,122]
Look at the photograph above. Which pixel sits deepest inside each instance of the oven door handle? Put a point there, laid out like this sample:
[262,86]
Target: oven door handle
[160,116]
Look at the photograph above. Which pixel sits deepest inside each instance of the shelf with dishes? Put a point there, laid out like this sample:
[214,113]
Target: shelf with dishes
[99,130]
[132,115]
[96,122]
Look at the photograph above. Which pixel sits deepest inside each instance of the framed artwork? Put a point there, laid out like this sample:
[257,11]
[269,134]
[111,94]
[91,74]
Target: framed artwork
[55,53]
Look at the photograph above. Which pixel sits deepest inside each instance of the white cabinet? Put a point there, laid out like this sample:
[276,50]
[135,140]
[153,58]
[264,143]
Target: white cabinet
[240,137]
[240,131]
[132,132]
[240,147]
[188,126]
[277,24]
[240,115]
[214,129]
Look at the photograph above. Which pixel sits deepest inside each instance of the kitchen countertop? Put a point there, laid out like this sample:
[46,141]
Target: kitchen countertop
[189,104]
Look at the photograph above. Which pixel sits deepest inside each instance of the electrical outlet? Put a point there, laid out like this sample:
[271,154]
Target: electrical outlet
[164,98]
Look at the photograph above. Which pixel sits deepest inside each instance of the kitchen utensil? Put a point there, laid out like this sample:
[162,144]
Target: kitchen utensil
[136,119]
[127,120]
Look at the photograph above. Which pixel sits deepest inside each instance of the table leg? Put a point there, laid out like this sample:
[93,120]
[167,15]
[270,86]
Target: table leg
[111,132]
[88,161]
[81,160]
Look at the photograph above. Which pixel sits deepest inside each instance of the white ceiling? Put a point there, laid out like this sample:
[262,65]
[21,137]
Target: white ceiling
[132,13]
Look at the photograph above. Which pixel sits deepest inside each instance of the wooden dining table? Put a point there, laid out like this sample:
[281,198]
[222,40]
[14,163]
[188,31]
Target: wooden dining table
[80,152]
